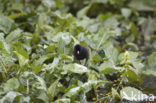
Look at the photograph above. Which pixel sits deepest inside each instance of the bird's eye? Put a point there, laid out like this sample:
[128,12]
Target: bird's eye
[78,52]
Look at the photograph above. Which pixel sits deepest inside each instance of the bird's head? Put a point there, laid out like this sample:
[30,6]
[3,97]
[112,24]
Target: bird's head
[78,48]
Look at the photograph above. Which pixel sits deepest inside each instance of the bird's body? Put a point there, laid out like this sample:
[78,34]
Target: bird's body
[80,53]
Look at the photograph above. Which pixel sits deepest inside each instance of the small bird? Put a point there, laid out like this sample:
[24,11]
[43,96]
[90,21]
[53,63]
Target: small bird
[80,53]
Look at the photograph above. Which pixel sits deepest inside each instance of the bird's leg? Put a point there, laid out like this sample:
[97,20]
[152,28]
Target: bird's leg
[86,62]
[79,62]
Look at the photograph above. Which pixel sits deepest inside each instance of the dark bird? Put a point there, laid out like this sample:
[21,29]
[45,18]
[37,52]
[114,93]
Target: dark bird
[80,53]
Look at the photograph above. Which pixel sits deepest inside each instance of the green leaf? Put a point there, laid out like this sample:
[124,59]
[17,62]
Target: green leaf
[132,76]
[85,87]
[6,24]
[75,68]
[16,6]
[14,35]
[43,96]
[134,30]
[5,54]
[19,48]
[53,64]
[149,72]
[11,84]
[37,69]
[43,58]
[97,41]
[42,83]
[107,67]
[9,97]
[47,29]
[131,45]
[14,16]
[83,11]
[150,67]
[151,61]
[21,58]
[49,3]
[126,12]
[111,52]
[66,57]
[64,36]
[136,62]
[51,48]
[51,91]
[149,84]
[111,22]
[143,5]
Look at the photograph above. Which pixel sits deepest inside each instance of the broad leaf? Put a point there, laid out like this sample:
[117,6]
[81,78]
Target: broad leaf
[11,84]
[75,68]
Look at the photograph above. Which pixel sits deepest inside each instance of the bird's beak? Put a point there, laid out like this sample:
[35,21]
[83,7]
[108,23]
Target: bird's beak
[78,52]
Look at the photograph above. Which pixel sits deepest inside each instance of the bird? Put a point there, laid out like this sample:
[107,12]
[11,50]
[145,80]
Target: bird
[80,53]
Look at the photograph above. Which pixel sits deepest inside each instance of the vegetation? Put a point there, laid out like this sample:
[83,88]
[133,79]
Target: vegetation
[37,38]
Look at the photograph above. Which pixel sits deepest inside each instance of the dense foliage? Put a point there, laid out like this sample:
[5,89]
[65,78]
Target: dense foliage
[37,39]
